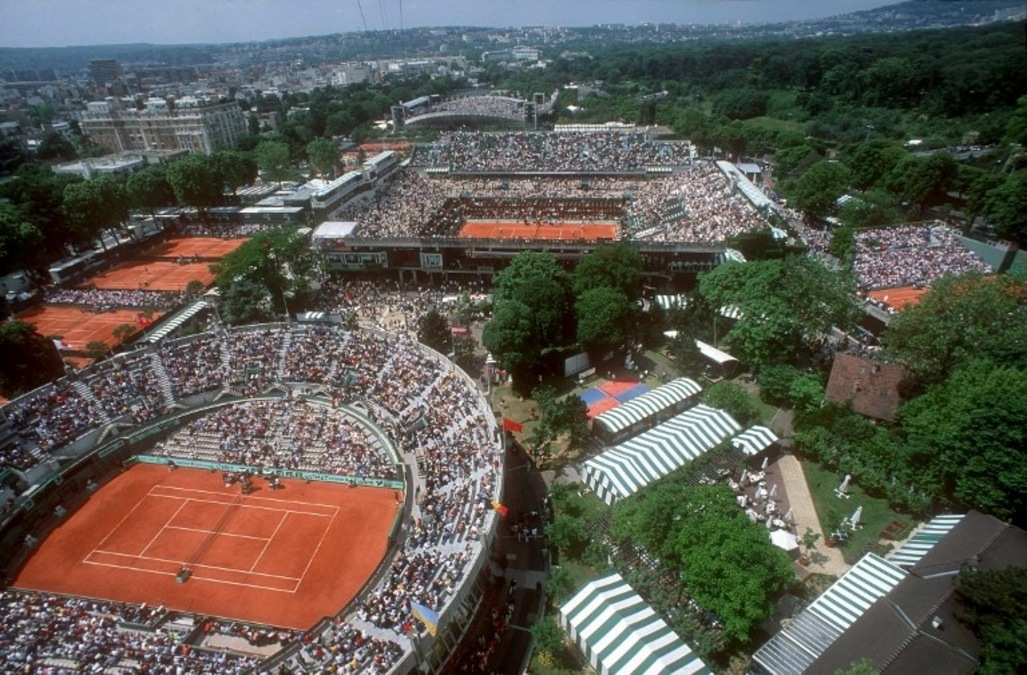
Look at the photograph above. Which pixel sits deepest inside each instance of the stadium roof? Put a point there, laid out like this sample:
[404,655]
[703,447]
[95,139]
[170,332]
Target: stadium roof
[910,553]
[620,633]
[334,229]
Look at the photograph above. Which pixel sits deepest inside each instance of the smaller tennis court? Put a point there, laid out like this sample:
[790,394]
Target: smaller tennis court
[202,247]
[611,394]
[153,275]
[78,327]
[898,298]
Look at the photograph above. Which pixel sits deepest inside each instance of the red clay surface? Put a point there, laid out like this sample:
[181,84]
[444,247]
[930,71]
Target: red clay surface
[599,407]
[159,275]
[614,387]
[285,557]
[516,230]
[78,327]
[204,247]
[898,298]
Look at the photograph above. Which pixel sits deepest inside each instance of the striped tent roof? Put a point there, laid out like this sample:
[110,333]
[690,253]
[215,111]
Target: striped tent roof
[620,633]
[647,405]
[633,464]
[754,440]
[665,302]
[174,322]
[794,649]
[921,543]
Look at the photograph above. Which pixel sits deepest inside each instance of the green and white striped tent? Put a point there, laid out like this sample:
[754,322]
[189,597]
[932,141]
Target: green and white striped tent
[620,634]
[631,465]
[921,543]
[794,648]
[754,440]
[647,406]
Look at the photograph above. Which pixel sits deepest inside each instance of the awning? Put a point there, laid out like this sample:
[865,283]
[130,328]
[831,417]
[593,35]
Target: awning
[794,649]
[631,465]
[648,405]
[754,440]
[921,543]
[621,634]
[172,324]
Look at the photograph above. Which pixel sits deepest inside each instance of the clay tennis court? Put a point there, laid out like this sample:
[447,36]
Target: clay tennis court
[285,557]
[203,247]
[153,275]
[78,327]
[519,230]
[899,297]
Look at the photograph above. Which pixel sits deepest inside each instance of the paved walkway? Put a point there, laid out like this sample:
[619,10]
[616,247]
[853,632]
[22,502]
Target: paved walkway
[826,560]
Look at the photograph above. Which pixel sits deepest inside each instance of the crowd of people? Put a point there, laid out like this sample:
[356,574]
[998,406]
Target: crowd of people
[282,434]
[586,151]
[41,632]
[695,204]
[431,412]
[491,106]
[905,255]
[103,300]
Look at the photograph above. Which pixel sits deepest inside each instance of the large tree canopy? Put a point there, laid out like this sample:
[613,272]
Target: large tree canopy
[959,319]
[30,360]
[971,430]
[617,266]
[537,281]
[816,191]
[606,319]
[782,303]
[197,182]
[727,563]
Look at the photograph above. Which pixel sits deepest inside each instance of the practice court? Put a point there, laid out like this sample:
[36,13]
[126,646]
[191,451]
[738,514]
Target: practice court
[203,247]
[285,557]
[79,327]
[154,275]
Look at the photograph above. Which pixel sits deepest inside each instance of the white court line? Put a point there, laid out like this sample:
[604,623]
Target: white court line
[163,527]
[122,521]
[250,506]
[268,543]
[249,497]
[220,534]
[179,563]
[196,576]
[316,549]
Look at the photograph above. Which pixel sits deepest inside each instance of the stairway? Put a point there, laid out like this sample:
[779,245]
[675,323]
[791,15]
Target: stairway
[85,392]
[282,372]
[163,379]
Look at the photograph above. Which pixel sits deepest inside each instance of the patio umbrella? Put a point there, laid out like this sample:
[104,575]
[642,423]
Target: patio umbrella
[788,517]
[773,490]
[854,521]
[763,467]
[845,484]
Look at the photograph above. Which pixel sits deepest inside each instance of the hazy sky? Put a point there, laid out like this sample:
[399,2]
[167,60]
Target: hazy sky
[42,23]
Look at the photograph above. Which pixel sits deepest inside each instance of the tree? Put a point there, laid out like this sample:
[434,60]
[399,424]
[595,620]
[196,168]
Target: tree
[273,159]
[197,182]
[972,429]
[861,667]
[323,155]
[21,242]
[537,281]
[923,181]
[783,303]
[235,169]
[94,207]
[1005,206]
[511,338]
[617,266]
[959,319]
[734,400]
[39,193]
[194,288]
[55,146]
[606,319]
[726,562]
[433,330]
[123,331]
[30,360]
[547,636]
[245,301]
[993,604]
[97,349]
[870,161]
[149,189]
[816,191]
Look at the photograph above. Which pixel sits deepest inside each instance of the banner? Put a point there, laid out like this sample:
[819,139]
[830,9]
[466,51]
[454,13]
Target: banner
[512,425]
[427,616]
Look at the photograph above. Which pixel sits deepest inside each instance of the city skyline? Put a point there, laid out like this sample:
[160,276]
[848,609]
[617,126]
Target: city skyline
[57,23]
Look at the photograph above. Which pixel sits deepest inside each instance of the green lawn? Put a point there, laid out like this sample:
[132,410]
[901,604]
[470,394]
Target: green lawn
[831,509]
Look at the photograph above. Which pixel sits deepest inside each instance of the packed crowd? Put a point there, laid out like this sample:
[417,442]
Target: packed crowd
[492,106]
[223,230]
[695,204]
[475,151]
[282,434]
[102,300]
[347,650]
[905,255]
[43,633]
[46,420]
